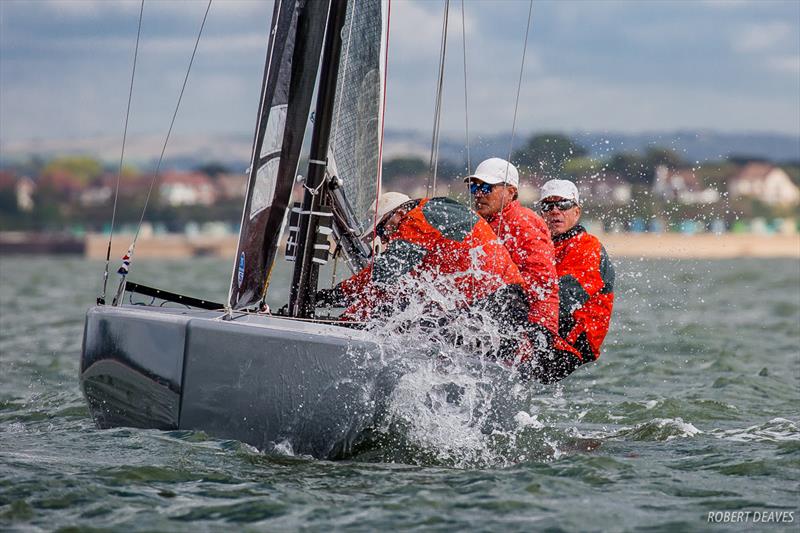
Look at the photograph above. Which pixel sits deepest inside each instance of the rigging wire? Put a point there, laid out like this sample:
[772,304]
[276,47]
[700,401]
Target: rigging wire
[437,114]
[128,258]
[470,198]
[519,84]
[169,132]
[383,103]
[122,153]
[516,104]
[466,105]
[466,100]
[380,143]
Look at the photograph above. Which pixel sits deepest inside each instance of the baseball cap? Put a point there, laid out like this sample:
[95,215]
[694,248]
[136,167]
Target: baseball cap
[561,188]
[386,203]
[494,171]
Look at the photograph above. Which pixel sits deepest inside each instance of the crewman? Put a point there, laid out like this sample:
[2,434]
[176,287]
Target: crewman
[585,272]
[493,186]
[525,235]
[436,244]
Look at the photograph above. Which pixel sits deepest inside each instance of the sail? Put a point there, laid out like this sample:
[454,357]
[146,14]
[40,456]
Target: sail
[296,36]
[357,114]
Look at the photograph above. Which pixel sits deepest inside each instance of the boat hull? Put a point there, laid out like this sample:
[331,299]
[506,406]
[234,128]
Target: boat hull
[263,380]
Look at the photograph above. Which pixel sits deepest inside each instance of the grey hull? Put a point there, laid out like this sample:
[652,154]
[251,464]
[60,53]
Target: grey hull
[259,379]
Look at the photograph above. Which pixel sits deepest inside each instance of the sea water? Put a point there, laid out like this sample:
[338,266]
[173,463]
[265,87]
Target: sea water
[689,421]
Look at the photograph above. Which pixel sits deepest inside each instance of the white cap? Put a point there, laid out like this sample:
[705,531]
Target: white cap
[494,171]
[387,202]
[562,189]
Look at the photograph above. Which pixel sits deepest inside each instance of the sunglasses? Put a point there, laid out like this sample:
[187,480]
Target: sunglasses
[483,188]
[562,205]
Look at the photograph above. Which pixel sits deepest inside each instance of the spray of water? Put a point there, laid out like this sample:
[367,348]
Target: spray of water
[443,398]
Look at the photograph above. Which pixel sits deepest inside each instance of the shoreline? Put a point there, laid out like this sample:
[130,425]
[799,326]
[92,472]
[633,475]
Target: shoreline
[701,245]
[175,246]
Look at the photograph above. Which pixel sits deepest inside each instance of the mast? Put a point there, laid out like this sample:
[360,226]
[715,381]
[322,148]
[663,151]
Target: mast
[290,74]
[306,272]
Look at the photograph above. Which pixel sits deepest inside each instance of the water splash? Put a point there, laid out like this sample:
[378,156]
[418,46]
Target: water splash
[444,400]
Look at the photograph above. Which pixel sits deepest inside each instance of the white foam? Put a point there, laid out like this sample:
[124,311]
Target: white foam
[526,420]
[283,447]
[776,430]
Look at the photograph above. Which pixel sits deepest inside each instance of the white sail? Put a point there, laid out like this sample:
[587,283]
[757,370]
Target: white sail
[358,107]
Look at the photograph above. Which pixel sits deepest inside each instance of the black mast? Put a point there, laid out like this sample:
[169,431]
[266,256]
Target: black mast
[290,75]
[302,299]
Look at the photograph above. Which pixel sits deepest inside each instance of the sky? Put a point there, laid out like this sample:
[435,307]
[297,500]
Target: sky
[590,65]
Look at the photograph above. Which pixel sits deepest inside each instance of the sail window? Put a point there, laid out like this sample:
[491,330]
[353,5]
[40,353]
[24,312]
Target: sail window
[273,136]
[264,189]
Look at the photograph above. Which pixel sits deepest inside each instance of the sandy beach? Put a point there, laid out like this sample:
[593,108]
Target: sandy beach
[651,245]
[700,246]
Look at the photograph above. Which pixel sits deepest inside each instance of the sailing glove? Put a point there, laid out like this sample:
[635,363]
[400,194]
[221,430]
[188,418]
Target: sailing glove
[328,297]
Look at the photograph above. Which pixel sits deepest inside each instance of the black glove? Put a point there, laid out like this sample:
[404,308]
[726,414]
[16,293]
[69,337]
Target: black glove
[328,298]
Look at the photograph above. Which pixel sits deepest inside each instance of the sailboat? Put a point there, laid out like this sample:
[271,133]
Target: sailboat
[233,370]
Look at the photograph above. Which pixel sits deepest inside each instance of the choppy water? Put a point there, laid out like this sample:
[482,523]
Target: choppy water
[692,409]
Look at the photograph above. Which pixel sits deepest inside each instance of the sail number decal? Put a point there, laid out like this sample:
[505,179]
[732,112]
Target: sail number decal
[240,276]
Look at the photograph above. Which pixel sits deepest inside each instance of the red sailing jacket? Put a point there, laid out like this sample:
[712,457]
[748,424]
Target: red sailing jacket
[527,239]
[586,291]
[442,240]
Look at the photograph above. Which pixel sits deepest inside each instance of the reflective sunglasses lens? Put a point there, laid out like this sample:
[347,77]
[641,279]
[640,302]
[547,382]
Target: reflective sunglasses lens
[483,188]
[562,205]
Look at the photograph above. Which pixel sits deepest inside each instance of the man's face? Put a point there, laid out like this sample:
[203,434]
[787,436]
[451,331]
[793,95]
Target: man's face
[488,204]
[557,220]
[391,224]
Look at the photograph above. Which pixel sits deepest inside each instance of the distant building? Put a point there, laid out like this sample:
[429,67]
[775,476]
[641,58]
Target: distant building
[24,191]
[18,190]
[605,189]
[128,187]
[187,188]
[99,193]
[66,185]
[682,185]
[231,186]
[765,182]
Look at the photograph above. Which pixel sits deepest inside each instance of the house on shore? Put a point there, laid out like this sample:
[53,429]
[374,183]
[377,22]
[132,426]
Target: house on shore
[20,188]
[606,188]
[231,186]
[765,182]
[187,188]
[683,185]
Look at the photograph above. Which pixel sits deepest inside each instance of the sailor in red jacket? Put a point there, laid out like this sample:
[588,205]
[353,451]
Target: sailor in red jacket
[527,239]
[586,275]
[436,244]
[524,234]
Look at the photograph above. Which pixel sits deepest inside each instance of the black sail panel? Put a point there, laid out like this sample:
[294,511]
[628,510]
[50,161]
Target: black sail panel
[296,36]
